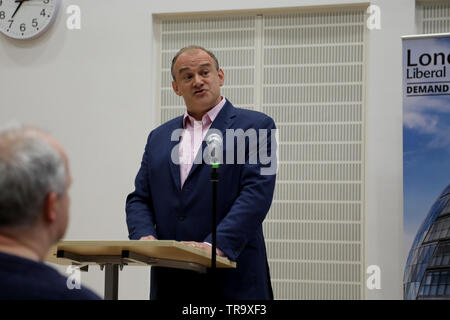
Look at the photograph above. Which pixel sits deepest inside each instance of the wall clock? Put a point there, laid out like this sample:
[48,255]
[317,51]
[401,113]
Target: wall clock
[26,19]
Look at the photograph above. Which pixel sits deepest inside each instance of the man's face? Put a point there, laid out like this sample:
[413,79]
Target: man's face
[197,81]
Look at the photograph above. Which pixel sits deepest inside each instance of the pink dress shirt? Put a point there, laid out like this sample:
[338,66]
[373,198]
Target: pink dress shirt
[192,137]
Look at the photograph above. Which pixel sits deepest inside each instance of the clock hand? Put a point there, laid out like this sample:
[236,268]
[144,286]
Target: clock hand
[18,7]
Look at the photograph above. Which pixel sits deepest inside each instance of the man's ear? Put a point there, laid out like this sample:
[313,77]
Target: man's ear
[176,89]
[50,207]
[221,76]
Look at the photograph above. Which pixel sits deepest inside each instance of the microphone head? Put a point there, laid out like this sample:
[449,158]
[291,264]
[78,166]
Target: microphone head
[214,143]
[214,139]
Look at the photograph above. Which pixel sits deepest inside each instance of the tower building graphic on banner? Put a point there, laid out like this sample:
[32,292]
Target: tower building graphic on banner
[426,166]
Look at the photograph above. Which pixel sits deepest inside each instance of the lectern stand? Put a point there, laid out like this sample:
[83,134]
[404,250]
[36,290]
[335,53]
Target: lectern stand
[112,256]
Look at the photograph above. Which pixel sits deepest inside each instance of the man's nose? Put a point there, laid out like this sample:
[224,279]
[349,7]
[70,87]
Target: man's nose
[198,81]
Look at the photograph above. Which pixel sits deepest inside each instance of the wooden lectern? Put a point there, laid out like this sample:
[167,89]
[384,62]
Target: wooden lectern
[114,255]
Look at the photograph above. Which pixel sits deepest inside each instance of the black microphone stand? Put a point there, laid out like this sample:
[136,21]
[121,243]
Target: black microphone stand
[214,181]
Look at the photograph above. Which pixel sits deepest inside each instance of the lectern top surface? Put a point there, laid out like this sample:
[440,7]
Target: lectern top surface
[159,249]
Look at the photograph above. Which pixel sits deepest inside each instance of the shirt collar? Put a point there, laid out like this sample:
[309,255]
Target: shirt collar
[210,115]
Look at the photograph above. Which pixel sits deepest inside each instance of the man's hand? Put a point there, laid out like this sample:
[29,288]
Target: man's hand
[204,246]
[148,238]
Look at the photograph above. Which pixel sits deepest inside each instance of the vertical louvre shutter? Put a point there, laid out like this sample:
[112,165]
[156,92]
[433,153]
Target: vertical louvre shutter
[306,71]
[231,39]
[313,88]
[434,17]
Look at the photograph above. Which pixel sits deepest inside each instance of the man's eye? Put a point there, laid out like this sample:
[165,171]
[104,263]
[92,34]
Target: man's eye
[187,76]
[205,72]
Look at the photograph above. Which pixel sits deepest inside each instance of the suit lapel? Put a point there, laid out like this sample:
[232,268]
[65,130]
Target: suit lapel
[174,145]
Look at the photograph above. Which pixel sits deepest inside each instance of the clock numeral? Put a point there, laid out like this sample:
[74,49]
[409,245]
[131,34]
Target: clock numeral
[23,27]
[43,12]
[1,2]
[2,15]
[34,23]
[10,23]
[45,1]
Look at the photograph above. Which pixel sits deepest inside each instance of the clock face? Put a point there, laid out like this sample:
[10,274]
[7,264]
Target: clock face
[25,19]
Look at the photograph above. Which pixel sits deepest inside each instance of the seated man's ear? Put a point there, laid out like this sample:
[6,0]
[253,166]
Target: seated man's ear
[50,204]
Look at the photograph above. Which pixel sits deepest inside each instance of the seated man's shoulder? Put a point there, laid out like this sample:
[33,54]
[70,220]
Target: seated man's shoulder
[47,287]
[23,279]
[62,288]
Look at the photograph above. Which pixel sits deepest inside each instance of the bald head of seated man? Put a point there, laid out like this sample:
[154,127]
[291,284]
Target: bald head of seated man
[34,213]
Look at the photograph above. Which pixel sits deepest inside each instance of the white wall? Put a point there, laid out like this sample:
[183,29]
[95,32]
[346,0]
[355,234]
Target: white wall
[384,153]
[94,90]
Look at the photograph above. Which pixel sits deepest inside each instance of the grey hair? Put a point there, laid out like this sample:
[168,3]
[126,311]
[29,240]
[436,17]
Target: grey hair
[189,48]
[30,168]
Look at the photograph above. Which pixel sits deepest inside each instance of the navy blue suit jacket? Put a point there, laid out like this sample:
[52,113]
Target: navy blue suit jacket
[159,207]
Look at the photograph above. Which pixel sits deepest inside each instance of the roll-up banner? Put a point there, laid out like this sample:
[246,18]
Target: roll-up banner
[426,127]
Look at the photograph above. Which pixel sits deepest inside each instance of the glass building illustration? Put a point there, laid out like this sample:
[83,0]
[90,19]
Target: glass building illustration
[427,271]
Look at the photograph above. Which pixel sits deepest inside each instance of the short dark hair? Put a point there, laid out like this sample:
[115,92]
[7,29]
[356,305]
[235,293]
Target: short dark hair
[189,48]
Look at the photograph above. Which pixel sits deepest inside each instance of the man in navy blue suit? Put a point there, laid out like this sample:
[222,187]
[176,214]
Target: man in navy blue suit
[172,199]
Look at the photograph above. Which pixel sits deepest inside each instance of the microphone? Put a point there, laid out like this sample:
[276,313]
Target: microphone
[214,142]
